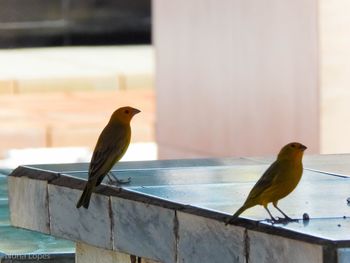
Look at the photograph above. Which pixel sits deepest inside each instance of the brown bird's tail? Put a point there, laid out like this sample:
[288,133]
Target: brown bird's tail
[86,195]
[235,215]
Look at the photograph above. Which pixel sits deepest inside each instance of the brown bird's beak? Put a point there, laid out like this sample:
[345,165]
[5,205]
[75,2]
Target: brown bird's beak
[135,111]
[303,147]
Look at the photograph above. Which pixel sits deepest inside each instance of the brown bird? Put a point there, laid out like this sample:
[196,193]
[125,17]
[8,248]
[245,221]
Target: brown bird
[279,180]
[110,148]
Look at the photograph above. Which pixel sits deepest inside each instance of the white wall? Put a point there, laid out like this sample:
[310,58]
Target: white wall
[235,77]
[335,76]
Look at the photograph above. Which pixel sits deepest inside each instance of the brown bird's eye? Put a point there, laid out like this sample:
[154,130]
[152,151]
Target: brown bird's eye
[127,111]
[293,145]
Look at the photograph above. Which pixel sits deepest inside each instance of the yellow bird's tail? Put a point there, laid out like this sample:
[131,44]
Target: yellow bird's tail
[86,195]
[235,215]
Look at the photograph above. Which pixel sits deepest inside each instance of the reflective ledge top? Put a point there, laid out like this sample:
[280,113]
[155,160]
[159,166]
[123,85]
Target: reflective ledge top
[215,188]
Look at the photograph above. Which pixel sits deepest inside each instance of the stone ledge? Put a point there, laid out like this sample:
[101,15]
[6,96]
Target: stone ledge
[28,201]
[93,225]
[125,221]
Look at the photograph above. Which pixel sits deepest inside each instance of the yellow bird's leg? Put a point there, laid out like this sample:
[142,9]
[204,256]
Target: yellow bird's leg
[272,218]
[286,218]
[284,214]
[115,180]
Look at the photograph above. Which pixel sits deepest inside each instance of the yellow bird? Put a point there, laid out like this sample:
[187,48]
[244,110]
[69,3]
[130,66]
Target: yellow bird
[279,180]
[110,148]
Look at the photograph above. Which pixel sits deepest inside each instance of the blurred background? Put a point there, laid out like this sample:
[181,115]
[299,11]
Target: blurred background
[65,67]
[212,79]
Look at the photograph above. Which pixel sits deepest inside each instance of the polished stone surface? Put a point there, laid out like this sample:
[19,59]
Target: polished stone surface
[28,203]
[209,241]
[222,185]
[174,211]
[144,230]
[68,222]
[224,190]
[265,248]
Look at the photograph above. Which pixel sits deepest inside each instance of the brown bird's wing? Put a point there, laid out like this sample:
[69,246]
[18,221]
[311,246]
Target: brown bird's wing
[109,149]
[98,163]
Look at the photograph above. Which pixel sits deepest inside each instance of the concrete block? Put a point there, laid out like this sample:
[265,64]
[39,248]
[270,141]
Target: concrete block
[269,248]
[144,230]
[93,225]
[28,201]
[206,240]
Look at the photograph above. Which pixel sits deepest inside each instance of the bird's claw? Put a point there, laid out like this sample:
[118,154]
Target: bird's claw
[282,220]
[116,181]
[121,181]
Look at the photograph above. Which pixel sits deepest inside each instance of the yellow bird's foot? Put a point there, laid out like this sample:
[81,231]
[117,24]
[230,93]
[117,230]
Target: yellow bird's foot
[121,181]
[113,180]
[283,220]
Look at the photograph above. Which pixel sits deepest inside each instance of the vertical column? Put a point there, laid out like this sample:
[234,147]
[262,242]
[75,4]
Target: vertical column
[235,77]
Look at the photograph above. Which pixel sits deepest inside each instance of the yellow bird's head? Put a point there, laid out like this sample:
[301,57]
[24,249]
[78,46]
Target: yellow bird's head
[293,150]
[124,114]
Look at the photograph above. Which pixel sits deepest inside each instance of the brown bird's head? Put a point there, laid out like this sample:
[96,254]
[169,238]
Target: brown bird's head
[124,114]
[293,150]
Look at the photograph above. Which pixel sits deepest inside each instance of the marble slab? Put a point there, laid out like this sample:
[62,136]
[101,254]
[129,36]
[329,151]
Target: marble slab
[92,226]
[209,241]
[176,214]
[28,202]
[144,230]
[267,248]
[149,165]
[332,229]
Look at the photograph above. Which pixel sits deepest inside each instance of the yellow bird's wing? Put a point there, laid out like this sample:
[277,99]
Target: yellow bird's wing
[267,180]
